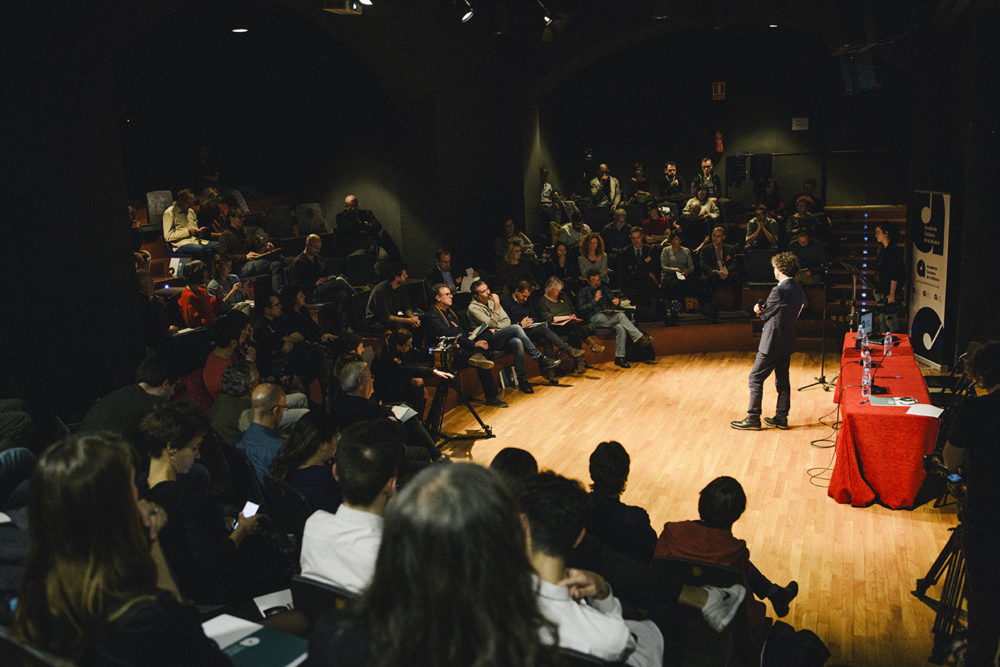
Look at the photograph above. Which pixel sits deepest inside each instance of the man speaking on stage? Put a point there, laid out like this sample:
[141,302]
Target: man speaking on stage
[777,342]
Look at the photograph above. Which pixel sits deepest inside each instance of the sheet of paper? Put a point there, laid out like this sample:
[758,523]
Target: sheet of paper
[924,410]
[281,598]
[4,518]
[226,629]
[680,276]
[402,413]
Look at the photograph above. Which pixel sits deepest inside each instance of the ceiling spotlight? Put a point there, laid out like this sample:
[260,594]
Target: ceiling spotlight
[241,30]
[346,7]
[546,14]
[773,25]
[366,3]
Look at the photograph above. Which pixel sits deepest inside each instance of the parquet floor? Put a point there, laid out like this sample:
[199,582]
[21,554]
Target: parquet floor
[855,566]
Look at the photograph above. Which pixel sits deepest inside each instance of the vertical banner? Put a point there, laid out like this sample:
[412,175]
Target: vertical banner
[927,234]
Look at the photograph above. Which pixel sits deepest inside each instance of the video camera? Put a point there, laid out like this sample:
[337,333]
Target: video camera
[934,465]
[445,353]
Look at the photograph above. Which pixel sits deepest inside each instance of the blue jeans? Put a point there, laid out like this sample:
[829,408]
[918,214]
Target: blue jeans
[622,326]
[339,291]
[514,340]
[276,268]
[204,252]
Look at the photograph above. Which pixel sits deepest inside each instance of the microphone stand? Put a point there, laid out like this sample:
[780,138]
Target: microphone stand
[821,381]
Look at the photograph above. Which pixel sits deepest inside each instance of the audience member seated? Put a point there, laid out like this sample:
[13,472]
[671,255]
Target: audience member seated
[359,232]
[637,190]
[615,235]
[181,230]
[96,588]
[486,309]
[699,213]
[261,442]
[320,286]
[305,462]
[718,264]
[237,381]
[812,258]
[515,268]
[562,209]
[211,216]
[355,404]
[624,528]
[707,179]
[801,219]
[676,259]
[771,198]
[445,273]
[520,308]
[510,235]
[311,355]
[198,307]
[556,310]
[809,190]
[596,307]
[762,229]
[226,287]
[123,410]
[711,540]
[16,466]
[672,188]
[152,313]
[587,615]
[276,348]
[604,189]
[341,548]
[399,372]
[572,232]
[514,465]
[233,340]
[639,275]
[388,305]
[442,322]
[560,265]
[251,252]
[655,227]
[212,565]
[452,567]
[592,254]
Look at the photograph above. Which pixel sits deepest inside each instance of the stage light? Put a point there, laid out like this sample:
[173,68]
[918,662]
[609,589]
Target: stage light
[773,25]
[546,14]
[366,3]
[345,7]
[469,12]
[241,30]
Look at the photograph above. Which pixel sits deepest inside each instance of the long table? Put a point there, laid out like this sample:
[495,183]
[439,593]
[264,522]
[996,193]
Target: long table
[880,448]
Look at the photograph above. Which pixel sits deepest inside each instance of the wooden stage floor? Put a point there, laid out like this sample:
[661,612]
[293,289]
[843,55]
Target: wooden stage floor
[856,567]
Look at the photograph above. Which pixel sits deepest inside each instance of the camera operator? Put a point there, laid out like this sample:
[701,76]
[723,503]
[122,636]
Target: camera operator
[441,322]
[399,377]
[974,446]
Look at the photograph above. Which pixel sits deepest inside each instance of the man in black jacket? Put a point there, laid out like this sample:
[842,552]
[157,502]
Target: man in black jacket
[777,342]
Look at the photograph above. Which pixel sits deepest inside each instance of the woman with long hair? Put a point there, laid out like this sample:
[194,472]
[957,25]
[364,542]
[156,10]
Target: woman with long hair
[198,307]
[226,286]
[592,256]
[452,586]
[516,267]
[306,461]
[96,588]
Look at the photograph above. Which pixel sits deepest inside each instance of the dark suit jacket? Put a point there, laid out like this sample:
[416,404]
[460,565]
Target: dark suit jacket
[633,270]
[779,314]
[706,257]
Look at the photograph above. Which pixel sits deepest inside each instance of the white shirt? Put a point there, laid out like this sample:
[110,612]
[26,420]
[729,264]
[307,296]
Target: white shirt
[596,627]
[341,548]
[177,226]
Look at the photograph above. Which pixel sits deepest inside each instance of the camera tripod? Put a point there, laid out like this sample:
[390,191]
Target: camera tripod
[436,415]
[948,629]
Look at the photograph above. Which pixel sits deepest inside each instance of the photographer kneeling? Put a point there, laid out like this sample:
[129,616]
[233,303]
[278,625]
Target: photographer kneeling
[974,445]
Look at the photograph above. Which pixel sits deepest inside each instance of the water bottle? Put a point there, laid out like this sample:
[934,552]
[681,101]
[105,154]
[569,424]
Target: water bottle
[887,345]
[866,359]
[862,337]
[866,382]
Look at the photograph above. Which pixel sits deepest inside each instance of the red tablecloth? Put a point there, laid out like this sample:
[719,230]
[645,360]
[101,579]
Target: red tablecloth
[880,449]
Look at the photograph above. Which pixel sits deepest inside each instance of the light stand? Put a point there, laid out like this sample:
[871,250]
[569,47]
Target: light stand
[821,380]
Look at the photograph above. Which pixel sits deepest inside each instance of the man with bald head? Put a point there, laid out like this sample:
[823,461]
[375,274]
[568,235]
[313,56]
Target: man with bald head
[308,272]
[604,189]
[262,442]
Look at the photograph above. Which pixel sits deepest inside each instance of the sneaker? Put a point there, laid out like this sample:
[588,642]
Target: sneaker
[747,424]
[777,422]
[782,597]
[597,348]
[479,361]
[581,367]
[620,361]
[722,605]
[545,363]
[576,353]
[644,341]
[525,388]
[496,402]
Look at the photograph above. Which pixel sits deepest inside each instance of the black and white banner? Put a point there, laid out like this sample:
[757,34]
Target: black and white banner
[927,233]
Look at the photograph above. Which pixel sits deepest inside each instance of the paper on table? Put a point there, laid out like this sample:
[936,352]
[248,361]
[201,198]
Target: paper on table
[281,598]
[924,410]
[226,629]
